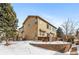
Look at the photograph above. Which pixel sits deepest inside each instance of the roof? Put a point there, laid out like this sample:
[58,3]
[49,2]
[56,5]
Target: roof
[41,19]
[21,27]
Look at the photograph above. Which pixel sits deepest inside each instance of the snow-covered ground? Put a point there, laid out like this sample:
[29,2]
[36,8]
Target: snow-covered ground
[24,48]
[54,42]
[78,49]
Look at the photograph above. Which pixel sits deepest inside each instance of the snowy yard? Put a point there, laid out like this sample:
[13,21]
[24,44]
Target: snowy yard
[24,48]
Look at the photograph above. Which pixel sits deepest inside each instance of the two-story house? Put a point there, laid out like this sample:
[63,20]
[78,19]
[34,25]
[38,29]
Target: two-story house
[35,27]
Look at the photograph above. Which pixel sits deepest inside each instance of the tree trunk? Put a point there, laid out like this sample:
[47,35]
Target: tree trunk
[7,42]
[66,37]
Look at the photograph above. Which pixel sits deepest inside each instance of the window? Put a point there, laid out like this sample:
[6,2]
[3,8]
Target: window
[53,29]
[34,22]
[50,27]
[42,33]
[29,25]
[47,26]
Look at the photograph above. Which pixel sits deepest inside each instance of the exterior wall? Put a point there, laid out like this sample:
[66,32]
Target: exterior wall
[20,36]
[43,26]
[78,35]
[35,27]
[30,28]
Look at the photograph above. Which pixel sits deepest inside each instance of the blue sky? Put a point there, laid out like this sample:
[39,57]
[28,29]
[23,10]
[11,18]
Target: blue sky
[54,13]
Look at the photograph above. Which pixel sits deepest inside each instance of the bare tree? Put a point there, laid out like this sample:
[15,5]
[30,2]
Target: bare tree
[69,28]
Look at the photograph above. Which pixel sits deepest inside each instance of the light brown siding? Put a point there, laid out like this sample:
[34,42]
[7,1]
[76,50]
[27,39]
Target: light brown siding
[30,28]
[35,27]
[43,26]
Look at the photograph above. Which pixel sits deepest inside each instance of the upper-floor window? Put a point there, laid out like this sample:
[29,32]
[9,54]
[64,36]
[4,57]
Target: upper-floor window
[29,25]
[32,23]
[53,29]
[47,26]
[35,21]
[50,27]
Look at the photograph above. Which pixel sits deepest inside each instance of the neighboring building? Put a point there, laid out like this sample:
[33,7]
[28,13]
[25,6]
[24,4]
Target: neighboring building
[77,34]
[20,33]
[34,28]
